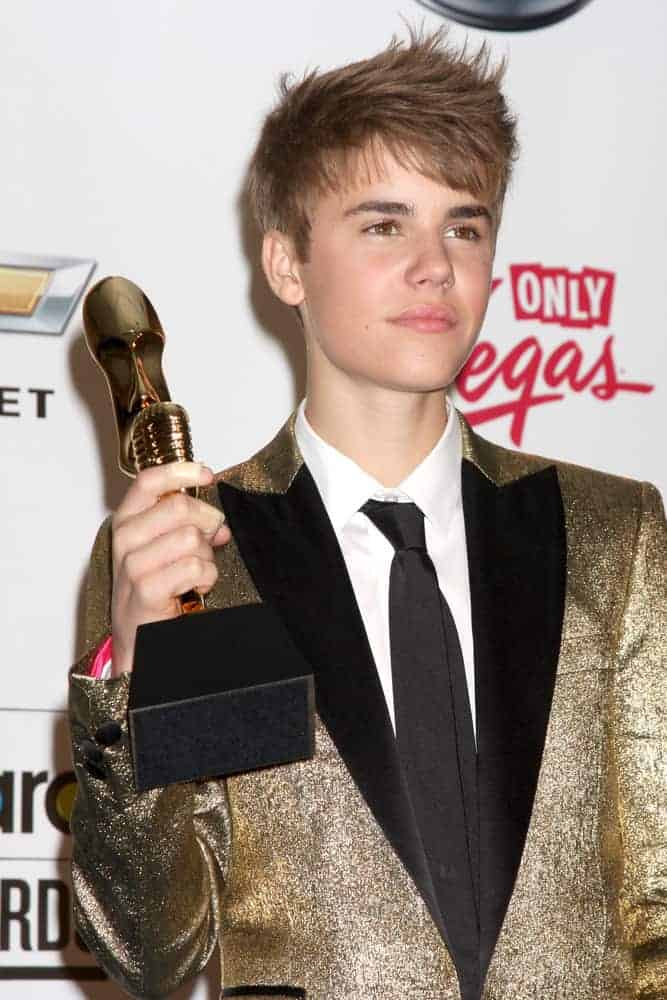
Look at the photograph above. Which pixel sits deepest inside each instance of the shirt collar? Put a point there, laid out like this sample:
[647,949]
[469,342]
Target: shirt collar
[435,485]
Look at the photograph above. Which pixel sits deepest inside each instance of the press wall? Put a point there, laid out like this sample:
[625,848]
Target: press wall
[125,132]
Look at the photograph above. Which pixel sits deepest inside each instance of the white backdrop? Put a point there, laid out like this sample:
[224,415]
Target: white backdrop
[126,129]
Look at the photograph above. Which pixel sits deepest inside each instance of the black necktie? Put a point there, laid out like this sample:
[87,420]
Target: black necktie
[434,730]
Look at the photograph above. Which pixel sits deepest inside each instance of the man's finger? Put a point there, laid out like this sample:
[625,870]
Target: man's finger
[164,550]
[173,512]
[157,590]
[153,483]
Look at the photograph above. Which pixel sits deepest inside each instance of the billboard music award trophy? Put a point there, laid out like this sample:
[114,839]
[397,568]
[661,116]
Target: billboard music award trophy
[213,692]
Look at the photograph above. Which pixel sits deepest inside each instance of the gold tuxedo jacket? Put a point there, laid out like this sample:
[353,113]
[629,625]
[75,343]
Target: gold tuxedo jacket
[310,876]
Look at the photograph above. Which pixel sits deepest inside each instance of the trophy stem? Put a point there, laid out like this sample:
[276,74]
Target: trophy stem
[161,434]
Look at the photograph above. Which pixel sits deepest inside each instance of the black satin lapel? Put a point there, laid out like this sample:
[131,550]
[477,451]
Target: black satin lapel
[517,562]
[291,552]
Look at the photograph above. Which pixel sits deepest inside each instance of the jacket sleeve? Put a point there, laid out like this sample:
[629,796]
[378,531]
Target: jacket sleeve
[148,869]
[640,749]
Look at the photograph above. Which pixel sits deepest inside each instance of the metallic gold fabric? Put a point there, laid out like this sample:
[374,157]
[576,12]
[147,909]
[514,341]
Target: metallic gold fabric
[273,468]
[287,867]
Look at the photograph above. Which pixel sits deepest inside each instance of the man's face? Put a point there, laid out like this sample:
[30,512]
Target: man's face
[397,281]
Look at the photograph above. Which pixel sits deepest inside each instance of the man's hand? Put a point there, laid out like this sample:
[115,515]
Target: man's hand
[160,550]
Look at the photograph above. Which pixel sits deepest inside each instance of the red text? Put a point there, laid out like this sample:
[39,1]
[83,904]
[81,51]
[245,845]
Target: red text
[558,295]
[532,375]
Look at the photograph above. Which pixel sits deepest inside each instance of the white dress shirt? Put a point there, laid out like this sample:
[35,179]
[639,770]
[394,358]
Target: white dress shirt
[435,486]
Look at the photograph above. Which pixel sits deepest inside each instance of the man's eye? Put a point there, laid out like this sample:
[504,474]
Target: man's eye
[462,233]
[385,228]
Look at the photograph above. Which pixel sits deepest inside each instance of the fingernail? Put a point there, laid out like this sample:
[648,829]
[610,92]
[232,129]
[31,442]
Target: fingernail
[220,527]
[205,474]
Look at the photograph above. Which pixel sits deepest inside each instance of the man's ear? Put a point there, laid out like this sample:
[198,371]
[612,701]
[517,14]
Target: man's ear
[281,267]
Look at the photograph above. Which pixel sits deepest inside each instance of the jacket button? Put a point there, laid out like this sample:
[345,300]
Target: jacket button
[108,733]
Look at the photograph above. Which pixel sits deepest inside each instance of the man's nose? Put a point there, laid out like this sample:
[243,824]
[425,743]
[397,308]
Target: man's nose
[431,264]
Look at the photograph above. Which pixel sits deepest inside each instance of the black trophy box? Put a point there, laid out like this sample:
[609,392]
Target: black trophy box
[218,693]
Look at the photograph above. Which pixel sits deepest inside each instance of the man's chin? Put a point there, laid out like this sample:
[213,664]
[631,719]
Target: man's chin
[417,387]
[422,382]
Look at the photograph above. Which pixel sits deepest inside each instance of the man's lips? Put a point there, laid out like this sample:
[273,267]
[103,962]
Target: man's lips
[426,319]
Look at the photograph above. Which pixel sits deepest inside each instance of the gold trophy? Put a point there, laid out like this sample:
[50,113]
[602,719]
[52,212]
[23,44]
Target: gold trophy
[223,714]
[125,337]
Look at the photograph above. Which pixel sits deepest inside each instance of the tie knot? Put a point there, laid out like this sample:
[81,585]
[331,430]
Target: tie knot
[401,523]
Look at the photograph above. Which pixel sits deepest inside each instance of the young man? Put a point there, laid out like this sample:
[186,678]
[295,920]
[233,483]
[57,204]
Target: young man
[483,813]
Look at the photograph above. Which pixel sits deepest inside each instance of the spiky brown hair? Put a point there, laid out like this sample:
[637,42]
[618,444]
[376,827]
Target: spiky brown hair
[432,106]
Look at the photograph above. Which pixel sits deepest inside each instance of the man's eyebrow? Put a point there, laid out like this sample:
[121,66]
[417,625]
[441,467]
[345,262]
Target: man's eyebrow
[406,209]
[469,212]
[382,208]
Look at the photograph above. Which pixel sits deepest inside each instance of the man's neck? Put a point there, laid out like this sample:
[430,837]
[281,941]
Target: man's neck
[386,433]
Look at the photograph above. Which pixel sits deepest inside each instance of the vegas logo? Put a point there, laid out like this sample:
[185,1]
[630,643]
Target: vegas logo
[530,372]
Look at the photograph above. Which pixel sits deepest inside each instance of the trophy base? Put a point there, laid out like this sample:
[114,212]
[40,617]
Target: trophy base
[216,694]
